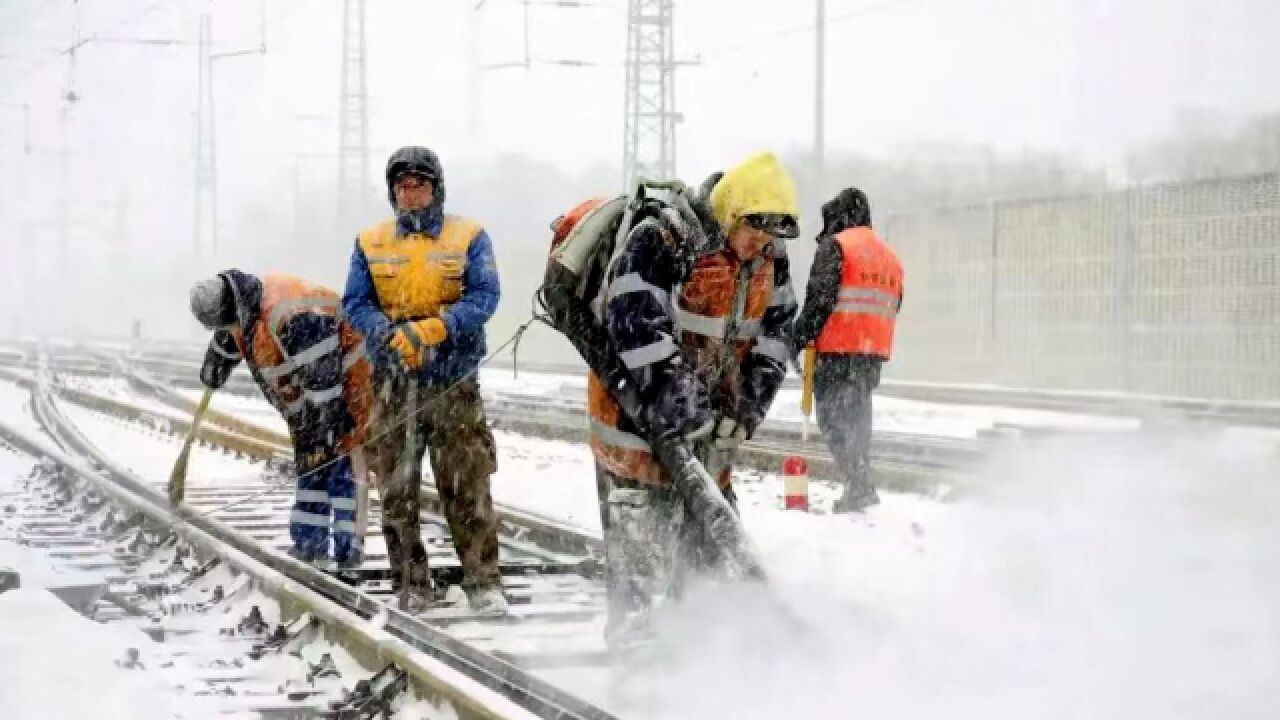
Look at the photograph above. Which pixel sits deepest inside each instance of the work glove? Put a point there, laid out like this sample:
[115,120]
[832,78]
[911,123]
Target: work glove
[413,340]
[681,404]
[733,430]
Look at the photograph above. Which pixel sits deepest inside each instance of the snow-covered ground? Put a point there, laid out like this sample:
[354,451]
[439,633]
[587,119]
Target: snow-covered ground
[15,406]
[1098,578]
[54,663]
[151,455]
[901,415]
[1101,576]
[891,414]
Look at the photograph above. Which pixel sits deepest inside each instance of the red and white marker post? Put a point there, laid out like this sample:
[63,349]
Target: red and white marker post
[795,483]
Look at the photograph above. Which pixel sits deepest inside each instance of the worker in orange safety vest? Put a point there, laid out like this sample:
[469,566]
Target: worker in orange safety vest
[850,313]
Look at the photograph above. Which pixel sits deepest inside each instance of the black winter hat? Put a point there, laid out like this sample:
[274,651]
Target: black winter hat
[212,302]
[417,160]
[849,208]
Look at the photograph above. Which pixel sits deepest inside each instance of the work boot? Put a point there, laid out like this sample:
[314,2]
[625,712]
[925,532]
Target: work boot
[488,601]
[421,596]
[631,639]
[856,499]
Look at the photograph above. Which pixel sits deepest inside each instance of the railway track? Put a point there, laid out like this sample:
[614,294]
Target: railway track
[900,461]
[223,648]
[555,598]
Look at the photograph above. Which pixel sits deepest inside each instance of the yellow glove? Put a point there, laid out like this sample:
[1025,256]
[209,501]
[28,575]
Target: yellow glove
[430,331]
[412,340]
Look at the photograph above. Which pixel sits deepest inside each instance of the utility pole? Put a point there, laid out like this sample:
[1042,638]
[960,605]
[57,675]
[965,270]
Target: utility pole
[353,120]
[819,100]
[649,115]
[206,149]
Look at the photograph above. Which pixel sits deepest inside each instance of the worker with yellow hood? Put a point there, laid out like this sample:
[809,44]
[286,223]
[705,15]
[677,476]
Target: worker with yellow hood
[704,337]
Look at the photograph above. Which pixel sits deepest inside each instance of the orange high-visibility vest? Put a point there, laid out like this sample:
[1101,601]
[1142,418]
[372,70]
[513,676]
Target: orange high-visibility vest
[705,315]
[866,310]
[284,297]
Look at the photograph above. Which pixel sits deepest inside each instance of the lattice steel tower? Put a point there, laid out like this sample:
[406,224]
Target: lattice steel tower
[353,118]
[649,122]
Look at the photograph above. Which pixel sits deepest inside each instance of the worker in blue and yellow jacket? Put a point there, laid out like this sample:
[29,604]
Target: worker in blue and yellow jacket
[420,288]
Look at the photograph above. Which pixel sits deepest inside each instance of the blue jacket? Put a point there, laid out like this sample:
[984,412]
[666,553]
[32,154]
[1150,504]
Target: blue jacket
[461,352]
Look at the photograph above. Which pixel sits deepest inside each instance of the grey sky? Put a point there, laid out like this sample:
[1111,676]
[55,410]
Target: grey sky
[1086,77]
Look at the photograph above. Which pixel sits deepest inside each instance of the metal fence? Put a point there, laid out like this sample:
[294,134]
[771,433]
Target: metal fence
[1171,289]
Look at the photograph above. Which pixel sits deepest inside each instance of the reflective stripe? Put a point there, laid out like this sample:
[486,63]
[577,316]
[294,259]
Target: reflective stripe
[340,503]
[783,296]
[700,324]
[772,348]
[649,354]
[715,327]
[438,256]
[306,518]
[632,283]
[318,397]
[345,526]
[749,328]
[230,356]
[353,356]
[316,351]
[276,372]
[387,259]
[866,308]
[617,438]
[868,294]
[316,496]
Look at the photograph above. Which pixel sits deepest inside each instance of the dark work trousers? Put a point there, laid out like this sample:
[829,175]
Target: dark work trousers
[842,386]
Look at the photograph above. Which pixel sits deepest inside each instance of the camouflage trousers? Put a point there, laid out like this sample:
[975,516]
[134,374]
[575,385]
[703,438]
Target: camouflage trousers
[448,423]
[652,550]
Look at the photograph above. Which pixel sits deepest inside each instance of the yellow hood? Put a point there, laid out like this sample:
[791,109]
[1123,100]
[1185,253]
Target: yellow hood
[759,184]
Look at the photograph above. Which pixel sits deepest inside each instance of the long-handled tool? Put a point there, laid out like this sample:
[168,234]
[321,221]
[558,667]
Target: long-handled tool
[360,471]
[806,394]
[703,499]
[178,477]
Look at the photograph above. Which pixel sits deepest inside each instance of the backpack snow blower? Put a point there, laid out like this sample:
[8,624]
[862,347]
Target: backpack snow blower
[585,243]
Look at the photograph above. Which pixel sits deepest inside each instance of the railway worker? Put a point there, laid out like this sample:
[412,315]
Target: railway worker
[421,287]
[310,365]
[851,307]
[704,339]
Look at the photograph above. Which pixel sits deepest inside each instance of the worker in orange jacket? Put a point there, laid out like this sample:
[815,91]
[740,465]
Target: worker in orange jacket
[310,364]
[703,334]
[850,312]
